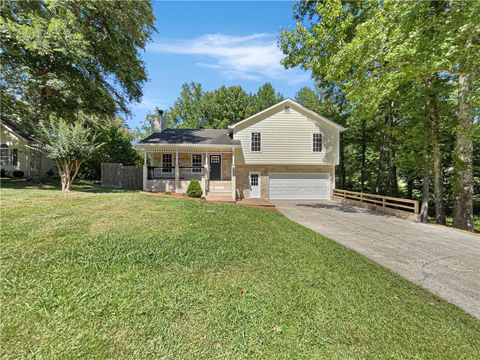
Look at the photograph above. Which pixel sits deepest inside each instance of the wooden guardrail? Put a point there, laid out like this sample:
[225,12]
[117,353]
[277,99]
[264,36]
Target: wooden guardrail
[379,200]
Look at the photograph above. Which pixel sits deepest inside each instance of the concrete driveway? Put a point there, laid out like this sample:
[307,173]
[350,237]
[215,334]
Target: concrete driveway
[442,260]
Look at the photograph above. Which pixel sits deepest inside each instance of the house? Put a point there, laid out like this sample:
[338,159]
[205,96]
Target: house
[17,153]
[284,152]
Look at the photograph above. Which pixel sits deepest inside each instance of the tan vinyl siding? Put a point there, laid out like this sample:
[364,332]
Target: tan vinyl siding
[287,139]
[13,141]
[24,153]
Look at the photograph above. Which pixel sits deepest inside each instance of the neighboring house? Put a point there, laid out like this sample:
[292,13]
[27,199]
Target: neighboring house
[284,152]
[17,153]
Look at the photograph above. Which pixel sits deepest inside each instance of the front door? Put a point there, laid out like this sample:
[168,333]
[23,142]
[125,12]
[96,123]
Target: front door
[215,167]
[254,179]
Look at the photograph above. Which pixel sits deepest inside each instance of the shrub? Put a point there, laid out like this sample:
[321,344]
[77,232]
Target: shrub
[18,174]
[3,173]
[194,189]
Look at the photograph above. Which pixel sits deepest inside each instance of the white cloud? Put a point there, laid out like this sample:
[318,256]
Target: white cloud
[251,57]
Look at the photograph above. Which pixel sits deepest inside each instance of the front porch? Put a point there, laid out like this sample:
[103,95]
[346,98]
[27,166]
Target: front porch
[172,170]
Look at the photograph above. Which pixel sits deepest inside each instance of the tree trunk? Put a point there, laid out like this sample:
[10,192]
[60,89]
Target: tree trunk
[427,166]
[68,172]
[342,163]
[463,158]
[393,174]
[392,168]
[425,195]
[35,166]
[381,160]
[434,138]
[410,189]
[438,182]
[363,161]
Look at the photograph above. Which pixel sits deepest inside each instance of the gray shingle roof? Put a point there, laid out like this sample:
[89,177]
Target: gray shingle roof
[190,136]
[15,128]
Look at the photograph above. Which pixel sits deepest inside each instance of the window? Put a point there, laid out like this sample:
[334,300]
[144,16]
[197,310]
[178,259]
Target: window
[167,163]
[197,163]
[4,155]
[254,179]
[317,142]
[256,142]
[8,156]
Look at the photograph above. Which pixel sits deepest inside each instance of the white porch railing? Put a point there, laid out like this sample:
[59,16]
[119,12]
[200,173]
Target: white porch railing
[165,173]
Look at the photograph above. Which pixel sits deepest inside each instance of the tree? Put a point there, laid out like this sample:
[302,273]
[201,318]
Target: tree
[387,56]
[329,102]
[68,144]
[188,109]
[215,109]
[308,98]
[226,106]
[117,147]
[266,97]
[60,58]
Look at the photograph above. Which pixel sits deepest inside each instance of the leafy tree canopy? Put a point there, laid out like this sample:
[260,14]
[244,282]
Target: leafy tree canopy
[62,57]
[265,97]
[117,139]
[217,109]
[68,144]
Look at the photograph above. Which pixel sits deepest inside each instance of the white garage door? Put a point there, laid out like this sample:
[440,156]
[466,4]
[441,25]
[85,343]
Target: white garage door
[293,186]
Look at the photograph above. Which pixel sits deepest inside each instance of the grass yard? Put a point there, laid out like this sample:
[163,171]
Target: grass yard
[120,275]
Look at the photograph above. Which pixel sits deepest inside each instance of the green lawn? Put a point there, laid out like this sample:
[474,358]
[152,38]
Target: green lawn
[108,274]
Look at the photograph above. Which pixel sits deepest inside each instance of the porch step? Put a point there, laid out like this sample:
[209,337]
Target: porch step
[219,198]
[220,185]
[219,191]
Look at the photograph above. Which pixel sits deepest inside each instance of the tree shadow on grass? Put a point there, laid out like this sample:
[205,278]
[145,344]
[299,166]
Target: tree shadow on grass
[92,187]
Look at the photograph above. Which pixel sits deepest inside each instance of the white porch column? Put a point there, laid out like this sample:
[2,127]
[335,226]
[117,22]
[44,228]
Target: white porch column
[177,172]
[145,170]
[207,172]
[234,176]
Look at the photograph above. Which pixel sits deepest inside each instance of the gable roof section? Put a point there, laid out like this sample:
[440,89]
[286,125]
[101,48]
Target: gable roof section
[219,137]
[295,105]
[12,127]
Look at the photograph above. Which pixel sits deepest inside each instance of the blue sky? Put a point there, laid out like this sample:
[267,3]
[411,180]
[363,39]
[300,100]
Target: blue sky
[216,43]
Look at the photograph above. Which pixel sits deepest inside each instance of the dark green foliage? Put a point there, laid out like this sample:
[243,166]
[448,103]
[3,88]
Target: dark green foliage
[3,173]
[189,109]
[62,57]
[68,144]
[407,76]
[194,189]
[216,109]
[18,174]
[266,97]
[117,148]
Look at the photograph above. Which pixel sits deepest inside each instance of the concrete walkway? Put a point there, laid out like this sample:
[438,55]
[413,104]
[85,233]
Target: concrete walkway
[442,260]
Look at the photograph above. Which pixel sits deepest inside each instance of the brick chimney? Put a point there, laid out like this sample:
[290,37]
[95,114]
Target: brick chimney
[158,122]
